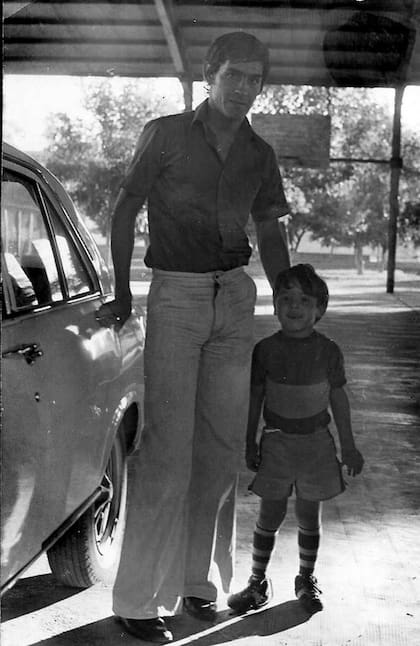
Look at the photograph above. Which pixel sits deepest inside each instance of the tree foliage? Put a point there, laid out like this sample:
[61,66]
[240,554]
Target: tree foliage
[410,223]
[346,203]
[91,157]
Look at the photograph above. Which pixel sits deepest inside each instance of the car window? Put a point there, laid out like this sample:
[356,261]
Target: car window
[75,273]
[43,266]
[33,281]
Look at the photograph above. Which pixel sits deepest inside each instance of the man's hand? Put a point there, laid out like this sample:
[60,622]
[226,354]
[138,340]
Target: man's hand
[253,457]
[114,313]
[353,460]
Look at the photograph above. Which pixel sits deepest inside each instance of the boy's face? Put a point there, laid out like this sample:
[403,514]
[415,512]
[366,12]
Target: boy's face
[234,88]
[296,311]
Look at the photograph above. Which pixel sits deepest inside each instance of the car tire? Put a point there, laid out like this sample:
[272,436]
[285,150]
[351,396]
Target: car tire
[89,551]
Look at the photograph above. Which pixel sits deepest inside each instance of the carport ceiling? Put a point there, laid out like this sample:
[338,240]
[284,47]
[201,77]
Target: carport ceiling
[318,42]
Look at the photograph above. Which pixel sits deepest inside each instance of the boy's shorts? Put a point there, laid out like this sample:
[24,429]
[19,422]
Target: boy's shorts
[306,462]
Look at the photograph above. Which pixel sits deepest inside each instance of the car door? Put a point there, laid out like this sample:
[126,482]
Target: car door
[56,363]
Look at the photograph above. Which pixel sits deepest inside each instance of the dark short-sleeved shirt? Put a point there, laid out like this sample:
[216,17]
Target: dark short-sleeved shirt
[198,204]
[297,376]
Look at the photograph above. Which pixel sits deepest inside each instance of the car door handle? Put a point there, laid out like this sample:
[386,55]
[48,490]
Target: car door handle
[30,352]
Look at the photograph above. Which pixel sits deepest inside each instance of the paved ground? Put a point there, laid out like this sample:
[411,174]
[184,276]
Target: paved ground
[370,553]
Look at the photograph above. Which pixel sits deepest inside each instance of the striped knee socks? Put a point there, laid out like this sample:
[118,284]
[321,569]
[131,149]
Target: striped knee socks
[308,541]
[262,548]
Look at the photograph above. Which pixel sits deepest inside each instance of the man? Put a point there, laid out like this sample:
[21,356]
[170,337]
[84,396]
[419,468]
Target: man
[202,173]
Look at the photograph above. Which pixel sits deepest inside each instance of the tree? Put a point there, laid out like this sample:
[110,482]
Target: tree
[348,202]
[360,129]
[410,223]
[299,224]
[409,220]
[91,158]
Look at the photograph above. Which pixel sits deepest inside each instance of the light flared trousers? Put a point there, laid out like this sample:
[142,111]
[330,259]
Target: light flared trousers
[180,532]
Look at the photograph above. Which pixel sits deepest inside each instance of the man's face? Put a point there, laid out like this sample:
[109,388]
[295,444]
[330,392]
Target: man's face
[234,88]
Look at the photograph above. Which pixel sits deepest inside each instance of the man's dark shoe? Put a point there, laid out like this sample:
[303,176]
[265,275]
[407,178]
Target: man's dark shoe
[150,630]
[200,608]
[257,594]
[307,591]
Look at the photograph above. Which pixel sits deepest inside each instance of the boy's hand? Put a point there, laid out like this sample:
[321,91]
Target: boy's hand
[353,460]
[253,457]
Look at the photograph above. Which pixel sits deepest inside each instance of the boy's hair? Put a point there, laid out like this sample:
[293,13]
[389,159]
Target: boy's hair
[236,46]
[307,279]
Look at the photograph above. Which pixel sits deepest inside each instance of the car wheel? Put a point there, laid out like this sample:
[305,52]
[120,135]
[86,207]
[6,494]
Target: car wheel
[89,552]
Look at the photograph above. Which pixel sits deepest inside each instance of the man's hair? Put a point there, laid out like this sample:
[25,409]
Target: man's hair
[236,46]
[307,279]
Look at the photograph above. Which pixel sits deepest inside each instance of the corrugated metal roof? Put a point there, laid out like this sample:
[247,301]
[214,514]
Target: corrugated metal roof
[323,42]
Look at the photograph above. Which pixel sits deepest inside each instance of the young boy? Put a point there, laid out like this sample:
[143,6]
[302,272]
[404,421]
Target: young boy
[297,374]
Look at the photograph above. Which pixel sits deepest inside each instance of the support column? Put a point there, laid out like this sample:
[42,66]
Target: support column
[396,165]
[187,86]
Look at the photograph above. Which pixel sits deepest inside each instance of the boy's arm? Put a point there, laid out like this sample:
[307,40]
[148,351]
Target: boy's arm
[350,455]
[255,404]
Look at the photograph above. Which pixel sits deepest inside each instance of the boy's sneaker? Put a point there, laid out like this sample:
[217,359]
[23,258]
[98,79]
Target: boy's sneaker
[307,592]
[257,594]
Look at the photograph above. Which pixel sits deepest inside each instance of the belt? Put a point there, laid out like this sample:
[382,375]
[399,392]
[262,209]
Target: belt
[316,429]
[203,278]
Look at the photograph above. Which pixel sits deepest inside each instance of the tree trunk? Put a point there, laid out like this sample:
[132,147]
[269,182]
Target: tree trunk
[383,257]
[358,258]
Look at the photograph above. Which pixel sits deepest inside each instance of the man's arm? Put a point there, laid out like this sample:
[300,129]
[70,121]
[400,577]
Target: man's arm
[272,245]
[139,179]
[126,209]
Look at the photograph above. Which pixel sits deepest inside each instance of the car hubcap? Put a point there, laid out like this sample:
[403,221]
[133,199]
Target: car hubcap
[107,506]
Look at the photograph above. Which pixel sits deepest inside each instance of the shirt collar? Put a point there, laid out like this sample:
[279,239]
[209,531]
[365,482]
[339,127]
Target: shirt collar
[201,114]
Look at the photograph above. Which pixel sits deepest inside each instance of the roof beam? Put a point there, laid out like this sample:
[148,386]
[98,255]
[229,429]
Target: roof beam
[163,9]
[12,8]
[169,29]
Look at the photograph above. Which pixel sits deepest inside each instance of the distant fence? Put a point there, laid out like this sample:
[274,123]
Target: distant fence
[327,260]
[346,261]
[318,260]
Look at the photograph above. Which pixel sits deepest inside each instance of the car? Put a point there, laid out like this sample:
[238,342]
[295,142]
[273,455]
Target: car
[72,389]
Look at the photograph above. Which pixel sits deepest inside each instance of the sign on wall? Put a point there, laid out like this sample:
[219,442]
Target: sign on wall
[297,139]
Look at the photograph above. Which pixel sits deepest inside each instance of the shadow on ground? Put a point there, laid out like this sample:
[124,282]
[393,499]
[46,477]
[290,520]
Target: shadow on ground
[33,593]
[187,630]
